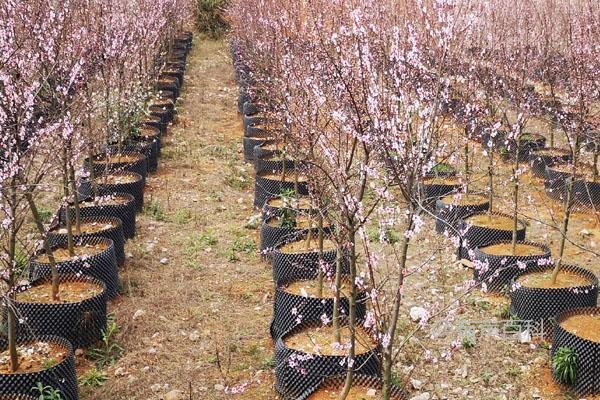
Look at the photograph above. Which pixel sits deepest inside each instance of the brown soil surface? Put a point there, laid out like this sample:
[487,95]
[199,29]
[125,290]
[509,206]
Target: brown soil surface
[355,393]
[465,199]
[118,159]
[149,132]
[552,152]
[321,339]
[586,326]
[104,201]
[564,279]
[438,180]
[69,292]
[302,222]
[303,203]
[34,357]
[303,246]
[289,176]
[62,254]
[310,289]
[505,249]
[116,179]
[492,221]
[88,227]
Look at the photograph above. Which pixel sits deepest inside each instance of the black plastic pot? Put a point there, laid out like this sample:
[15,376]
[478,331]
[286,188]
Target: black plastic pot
[150,134]
[252,120]
[588,353]
[61,376]
[175,72]
[287,305]
[526,146]
[297,372]
[168,83]
[290,267]
[548,303]
[154,122]
[135,188]
[273,162]
[251,108]
[556,183]
[473,236]
[149,148]
[441,170]
[448,215]
[496,272]
[539,159]
[434,191]
[115,233]
[587,193]
[265,188]
[139,166]
[269,210]
[102,266]
[250,142]
[125,212]
[81,322]
[336,383]
[162,108]
[274,236]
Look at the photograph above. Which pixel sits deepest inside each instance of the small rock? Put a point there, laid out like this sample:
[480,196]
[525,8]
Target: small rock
[219,387]
[164,261]
[417,384]
[174,395]
[253,222]
[151,350]
[129,254]
[524,337]
[371,393]
[417,313]
[194,336]
[156,387]
[422,396]
[120,371]
[138,314]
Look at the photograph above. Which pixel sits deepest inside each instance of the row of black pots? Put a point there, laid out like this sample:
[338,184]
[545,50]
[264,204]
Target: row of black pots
[66,325]
[297,374]
[585,193]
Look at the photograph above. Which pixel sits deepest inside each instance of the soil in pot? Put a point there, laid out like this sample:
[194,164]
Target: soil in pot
[117,158]
[464,200]
[34,357]
[586,326]
[543,280]
[62,254]
[87,228]
[357,392]
[452,208]
[505,249]
[491,221]
[310,288]
[303,203]
[69,292]
[547,157]
[320,340]
[117,179]
[302,222]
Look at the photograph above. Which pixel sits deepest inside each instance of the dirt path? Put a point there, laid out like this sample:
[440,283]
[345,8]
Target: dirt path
[196,305]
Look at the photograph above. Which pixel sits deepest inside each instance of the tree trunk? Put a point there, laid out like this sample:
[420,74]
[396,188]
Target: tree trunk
[12,250]
[320,270]
[491,179]
[70,244]
[391,332]
[336,299]
[516,197]
[564,229]
[466,162]
[351,314]
[46,243]
[75,201]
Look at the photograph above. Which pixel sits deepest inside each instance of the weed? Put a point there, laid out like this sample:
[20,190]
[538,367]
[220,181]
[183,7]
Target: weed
[155,210]
[564,365]
[93,378]
[514,372]
[504,312]
[47,392]
[182,217]
[267,363]
[241,244]
[109,351]
[209,14]
[49,363]
[487,376]
[468,342]
[236,178]
[46,214]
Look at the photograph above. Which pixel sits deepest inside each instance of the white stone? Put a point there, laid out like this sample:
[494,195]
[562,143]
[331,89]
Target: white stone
[164,261]
[422,396]
[371,393]
[138,314]
[417,384]
[174,395]
[219,387]
[417,313]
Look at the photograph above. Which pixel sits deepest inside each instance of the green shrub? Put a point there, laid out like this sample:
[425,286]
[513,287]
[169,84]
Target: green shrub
[564,364]
[210,16]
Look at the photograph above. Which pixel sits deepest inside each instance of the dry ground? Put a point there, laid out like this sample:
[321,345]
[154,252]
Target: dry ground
[202,314]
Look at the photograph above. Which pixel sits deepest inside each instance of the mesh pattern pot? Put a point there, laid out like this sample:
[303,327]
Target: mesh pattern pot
[587,194]
[251,108]
[81,323]
[102,266]
[60,376]
[168,83]
[433,192]
[125,212]
[150,134]
[150,148]
[250,142]
[275,236]
[115,233]
[547,303]
[154,122]
[472,236]
[166,115]
[337,383]
[176,73]
[497,272]
[252,120]
[535,142]
[140,166]
[588,353]
[311,309]
[270,210]
[540,159]
[448,215]
[556,183]
[294,377]
[291,267]
[135,188]
[265,188]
